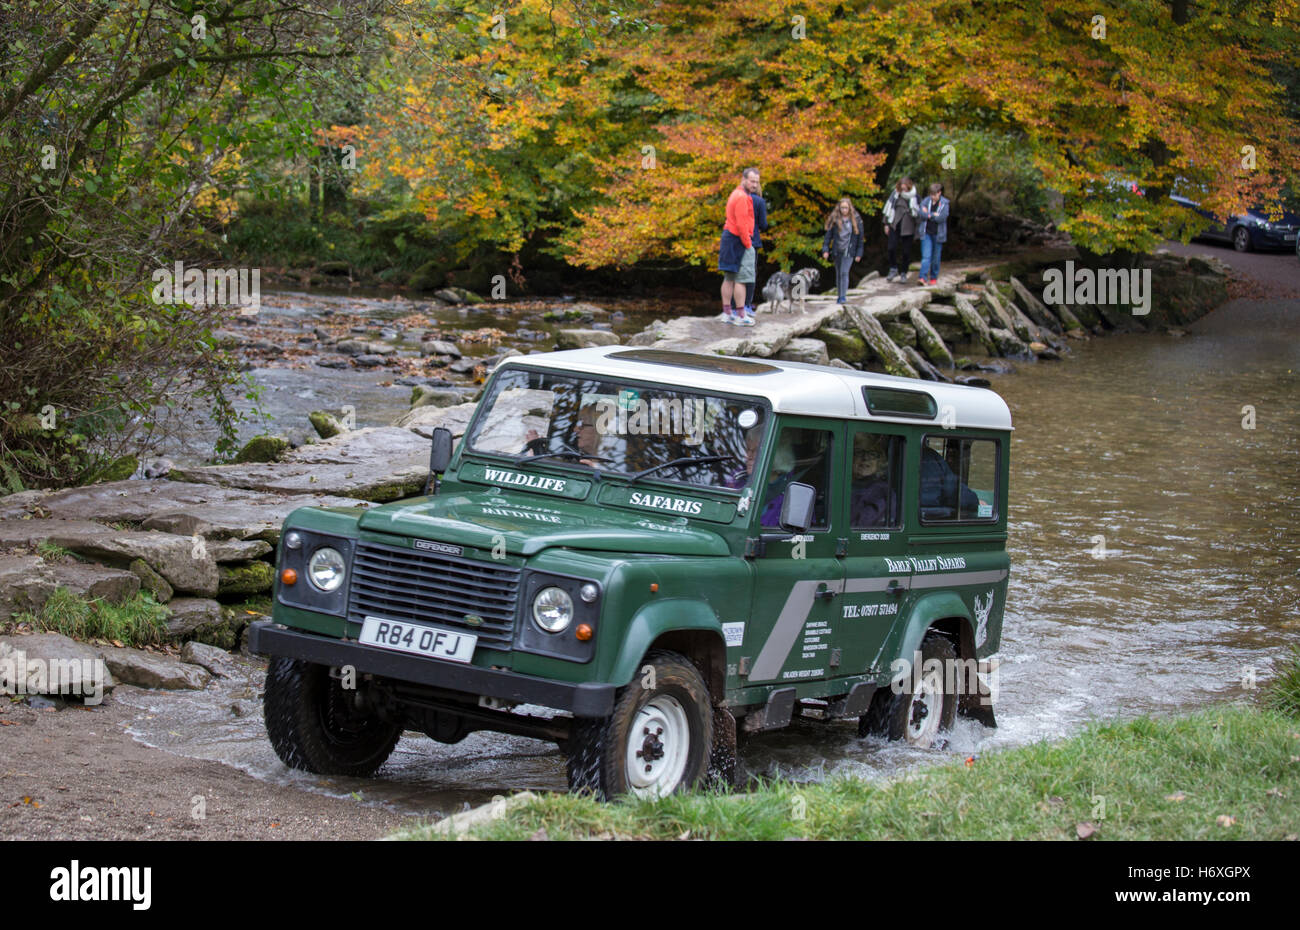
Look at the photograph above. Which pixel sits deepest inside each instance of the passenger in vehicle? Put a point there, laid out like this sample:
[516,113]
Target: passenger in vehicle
[873,501]
[940,488]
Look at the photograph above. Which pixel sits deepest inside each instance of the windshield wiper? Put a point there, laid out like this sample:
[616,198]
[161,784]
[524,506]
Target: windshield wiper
[690,459]
[567,450]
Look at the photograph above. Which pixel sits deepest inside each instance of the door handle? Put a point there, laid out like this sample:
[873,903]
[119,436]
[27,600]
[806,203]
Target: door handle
[895,588]
[824,594]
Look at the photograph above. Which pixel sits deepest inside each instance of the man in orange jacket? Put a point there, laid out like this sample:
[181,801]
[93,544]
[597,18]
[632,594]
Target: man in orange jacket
[736,256]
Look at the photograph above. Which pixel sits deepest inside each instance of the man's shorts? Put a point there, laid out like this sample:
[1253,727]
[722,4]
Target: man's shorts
[748,271]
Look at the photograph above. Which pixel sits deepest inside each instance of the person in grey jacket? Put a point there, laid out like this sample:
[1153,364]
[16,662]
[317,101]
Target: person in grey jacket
[932,215]
[843,240]
[900,227]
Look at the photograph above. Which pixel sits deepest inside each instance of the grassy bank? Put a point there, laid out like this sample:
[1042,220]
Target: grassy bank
[1228,772]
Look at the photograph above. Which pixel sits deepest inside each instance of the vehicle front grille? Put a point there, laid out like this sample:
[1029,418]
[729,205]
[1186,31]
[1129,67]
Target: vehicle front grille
[402,584]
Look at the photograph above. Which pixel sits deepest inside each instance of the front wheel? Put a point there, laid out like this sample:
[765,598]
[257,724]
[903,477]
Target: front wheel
[1241,239]
[657,740]
[920,707]
[316,725]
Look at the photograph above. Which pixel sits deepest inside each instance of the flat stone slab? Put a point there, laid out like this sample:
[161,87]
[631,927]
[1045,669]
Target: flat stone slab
[153,670]
[186,566]
[51,663]
[375,464]
[33,531]
[772,331]
[183,507]
[96,582]
[217,661]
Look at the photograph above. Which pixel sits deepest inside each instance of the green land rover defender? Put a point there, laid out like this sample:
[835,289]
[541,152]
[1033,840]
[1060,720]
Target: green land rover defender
[638,554]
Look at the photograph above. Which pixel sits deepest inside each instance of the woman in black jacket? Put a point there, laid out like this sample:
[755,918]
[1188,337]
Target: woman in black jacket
[843,241]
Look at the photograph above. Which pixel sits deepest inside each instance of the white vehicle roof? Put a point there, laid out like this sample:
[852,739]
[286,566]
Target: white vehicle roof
[790,387]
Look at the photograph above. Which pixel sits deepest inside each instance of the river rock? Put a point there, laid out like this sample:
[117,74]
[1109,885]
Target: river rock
[51,663]
[580,338]
[435,397]
[894,360]
[810,351]
[440,347]
[457,295]
[217,661]
[154,670]
[238,550]
[182,560]
[368,361]
[191,614]
[464,366]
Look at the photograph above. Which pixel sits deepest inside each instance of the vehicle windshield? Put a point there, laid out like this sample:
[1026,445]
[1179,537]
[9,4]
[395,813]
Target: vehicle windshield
[621,429]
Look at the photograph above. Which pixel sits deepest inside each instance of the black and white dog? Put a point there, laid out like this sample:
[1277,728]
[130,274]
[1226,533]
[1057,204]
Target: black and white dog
[784,286]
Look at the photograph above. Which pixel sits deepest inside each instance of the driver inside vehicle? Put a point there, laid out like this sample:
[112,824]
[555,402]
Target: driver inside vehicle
[587,437]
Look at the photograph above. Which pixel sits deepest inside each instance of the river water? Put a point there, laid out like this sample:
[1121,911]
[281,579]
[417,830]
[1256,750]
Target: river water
[1191,591]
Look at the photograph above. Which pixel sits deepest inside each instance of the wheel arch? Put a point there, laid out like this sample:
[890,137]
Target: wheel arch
[690,627]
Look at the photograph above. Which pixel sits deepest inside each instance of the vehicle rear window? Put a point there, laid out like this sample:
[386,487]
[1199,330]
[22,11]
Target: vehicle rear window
[959,479]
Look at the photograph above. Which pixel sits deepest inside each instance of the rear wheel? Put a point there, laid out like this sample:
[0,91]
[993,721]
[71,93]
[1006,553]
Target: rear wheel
[657,740]
[922,708]
[315,724]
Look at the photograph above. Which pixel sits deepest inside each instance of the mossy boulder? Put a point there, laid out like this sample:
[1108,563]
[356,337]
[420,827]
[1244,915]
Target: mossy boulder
[846,346]
[325,423]
[422,396]
[903,334]
[245,577]
[151,581]
[262,449]
[121,468]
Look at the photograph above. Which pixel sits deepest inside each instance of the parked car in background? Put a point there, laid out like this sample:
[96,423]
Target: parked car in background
[1250,230]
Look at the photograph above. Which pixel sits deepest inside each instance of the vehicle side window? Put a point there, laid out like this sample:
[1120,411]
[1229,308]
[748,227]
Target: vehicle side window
[959,479]
[802,455]
[875,494]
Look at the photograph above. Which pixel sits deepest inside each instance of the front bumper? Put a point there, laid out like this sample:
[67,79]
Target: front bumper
[585,699]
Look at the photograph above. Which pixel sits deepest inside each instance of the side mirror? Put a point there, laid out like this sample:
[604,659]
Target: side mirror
[440,450]
[797,507]
[439,457]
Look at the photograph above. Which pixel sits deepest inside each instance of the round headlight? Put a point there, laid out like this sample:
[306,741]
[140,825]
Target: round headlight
[552,609]
[326,569]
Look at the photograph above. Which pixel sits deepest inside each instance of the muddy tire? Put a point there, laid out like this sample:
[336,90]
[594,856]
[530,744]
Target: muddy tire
[657,741]
[916,718]
[314,726]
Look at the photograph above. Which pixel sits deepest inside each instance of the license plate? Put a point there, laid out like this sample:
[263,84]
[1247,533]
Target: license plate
[431,641]
[1289,237]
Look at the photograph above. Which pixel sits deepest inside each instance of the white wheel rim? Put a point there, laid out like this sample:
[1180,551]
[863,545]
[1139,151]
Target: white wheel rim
[658,746]
[925,712]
